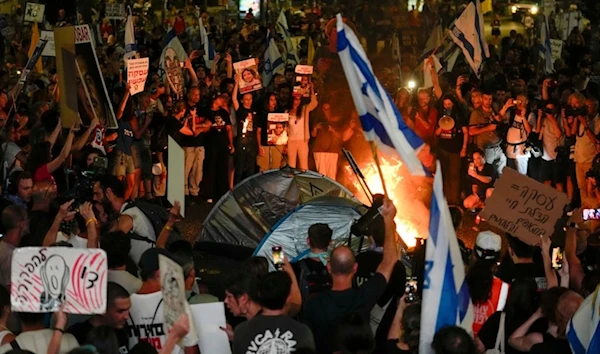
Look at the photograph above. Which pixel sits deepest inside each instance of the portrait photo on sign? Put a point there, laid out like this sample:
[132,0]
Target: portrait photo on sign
[173,67]
[247,75]
[34,12]
[277,132]
[302,87]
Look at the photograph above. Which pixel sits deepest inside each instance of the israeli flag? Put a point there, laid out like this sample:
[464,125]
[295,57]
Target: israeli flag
[130,46]
[546,47]
[469,34]
[445,293]
[209,50]
[273,63]
[381,121]
[284,30]
[583,332]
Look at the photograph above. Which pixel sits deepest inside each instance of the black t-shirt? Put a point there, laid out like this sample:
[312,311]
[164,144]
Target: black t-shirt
[262,122]
[323,311]
[42,222]
[487,171]
[451,140]
[488,332]
[218,136]
[391,347]
[81,330]
[242,115]
[552,346]
[509,272]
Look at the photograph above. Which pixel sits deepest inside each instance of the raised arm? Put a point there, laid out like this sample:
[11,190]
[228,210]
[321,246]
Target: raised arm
[64,153]
[234,95]
[390,251]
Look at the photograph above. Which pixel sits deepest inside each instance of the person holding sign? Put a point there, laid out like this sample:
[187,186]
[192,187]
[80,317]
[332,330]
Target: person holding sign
[246,146]
[299,133]
[269,150]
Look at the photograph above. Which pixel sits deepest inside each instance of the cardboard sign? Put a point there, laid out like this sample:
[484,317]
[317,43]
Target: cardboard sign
[64,39]
[115,11]
[304,69]
[49,49]
[137,72]
[45,278]
[247,75]
[173,289]
[524,207]
[34,12]
[207,319]
[35,56]
[176,176]
[277,129]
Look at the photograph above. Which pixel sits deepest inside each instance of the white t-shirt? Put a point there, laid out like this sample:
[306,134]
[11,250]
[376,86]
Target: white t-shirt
[76,241]
[296,124]
[517,134]
[38,341]
[146,322]
[585,150]
[141,226]
[550,140]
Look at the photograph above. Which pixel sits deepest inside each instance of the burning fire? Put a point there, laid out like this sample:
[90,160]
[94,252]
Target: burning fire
[412,217]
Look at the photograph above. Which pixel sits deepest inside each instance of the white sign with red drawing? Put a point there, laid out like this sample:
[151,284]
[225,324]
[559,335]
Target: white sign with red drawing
[42,279]
[304,69]
[137,72]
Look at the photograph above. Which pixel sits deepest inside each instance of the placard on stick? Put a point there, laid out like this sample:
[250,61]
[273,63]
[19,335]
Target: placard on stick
[524,207]
[176,176]
[45,278]
[137,72]
[173,289]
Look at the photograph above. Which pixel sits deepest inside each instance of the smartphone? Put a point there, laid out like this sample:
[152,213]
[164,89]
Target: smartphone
[516,101]
[410,290]
[557,258]
[591,214]
[277,252]
[472,166]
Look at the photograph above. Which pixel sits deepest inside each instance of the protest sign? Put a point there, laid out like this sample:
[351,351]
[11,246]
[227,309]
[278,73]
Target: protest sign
[34,12]
[64,40]
[556,46]
[173,290]
[277,130]
[37,53]
[45,278]
[49,49]
[137,72]
[524,207]
[247,75]
[208,318]
[172,60]
[115,11]
[92,96]
[304,69]
[176,177]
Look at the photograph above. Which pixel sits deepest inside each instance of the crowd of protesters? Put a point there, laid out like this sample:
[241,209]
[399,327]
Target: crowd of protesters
[88,187]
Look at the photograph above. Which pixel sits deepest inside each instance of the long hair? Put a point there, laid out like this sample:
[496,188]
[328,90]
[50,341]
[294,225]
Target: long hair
[38,156]
[480,278]
[522,301]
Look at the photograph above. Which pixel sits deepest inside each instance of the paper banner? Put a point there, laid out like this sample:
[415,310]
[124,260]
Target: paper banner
[34,12]
[277,128]
[524,207]
[247,73]
[42,279]
[137,72]
[176,175]
[304,69]
[208,318]
[115,11]
[173,290]
[49,49]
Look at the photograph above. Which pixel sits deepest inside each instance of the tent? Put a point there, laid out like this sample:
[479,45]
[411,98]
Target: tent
[244,215]
[291,231]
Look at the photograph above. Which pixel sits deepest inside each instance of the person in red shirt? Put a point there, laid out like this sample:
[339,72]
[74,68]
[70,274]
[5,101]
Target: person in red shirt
[425,117]
[179,23]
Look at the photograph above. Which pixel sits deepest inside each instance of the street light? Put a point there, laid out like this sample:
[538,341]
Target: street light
[534,10]
[412,84]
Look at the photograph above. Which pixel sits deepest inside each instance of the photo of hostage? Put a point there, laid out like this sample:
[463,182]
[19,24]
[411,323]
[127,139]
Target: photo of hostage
[278,134]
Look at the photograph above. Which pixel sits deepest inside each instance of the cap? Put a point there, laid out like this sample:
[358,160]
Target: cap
[488,245]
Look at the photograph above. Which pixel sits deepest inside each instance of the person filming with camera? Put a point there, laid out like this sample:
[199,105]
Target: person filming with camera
[586,143]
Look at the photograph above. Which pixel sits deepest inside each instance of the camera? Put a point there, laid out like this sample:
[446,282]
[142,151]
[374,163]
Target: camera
[594,172]
[574,112]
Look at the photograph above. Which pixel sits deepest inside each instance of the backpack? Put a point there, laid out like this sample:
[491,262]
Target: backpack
[311,281]
[158,216]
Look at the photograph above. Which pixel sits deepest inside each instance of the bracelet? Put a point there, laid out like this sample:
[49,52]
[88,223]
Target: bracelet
[169,228]
[91,220]
[59,329]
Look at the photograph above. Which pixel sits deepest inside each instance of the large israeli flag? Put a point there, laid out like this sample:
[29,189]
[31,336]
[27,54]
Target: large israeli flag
[273,63]
[284,30]
[130,46]
[583,332]
[445,293]
[546,47]
[381,121]
[209,50]
[468,32]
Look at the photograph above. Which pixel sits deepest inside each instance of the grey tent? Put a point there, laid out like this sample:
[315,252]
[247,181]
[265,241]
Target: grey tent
[244,215]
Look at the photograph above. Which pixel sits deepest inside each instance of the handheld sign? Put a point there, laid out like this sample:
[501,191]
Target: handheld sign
[115,11]
[34,12]
[137,72]
[35,56]
[208,319]
[49,49]
[173,289]
[524,207]
[277,130]
[304,69]
[247,74]
[42,279]
[176,176]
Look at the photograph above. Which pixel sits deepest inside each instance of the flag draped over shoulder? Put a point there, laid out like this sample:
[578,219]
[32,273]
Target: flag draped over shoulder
[209,50]
[583,332]
[273,63]
[381,121]
[468,32]
[284,30]
[546,47]
[35,37]
[445,293]
[130,46]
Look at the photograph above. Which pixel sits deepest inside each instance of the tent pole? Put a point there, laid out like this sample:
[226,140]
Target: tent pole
[359,176]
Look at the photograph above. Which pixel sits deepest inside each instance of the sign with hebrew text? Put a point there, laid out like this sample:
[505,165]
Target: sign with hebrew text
[43,279]
[173,289]
[524,207]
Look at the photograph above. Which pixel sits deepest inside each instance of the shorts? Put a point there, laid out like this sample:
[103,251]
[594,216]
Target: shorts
[552,171]
[122,164]
[142,159]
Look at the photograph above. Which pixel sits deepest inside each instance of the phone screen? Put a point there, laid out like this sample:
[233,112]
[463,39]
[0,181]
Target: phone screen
[411,290]
[591,214]
[277,256]
[557,258]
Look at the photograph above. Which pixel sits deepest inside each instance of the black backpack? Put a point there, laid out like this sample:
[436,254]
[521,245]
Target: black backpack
[312,281]
[158,216]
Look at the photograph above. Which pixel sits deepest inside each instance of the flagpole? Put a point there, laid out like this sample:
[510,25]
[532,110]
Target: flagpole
[376,158]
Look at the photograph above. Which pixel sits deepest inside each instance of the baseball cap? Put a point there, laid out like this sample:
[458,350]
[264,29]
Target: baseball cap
[488,245]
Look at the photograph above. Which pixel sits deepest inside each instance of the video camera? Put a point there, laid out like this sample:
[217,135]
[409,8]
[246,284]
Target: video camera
[84,180]
[574,112]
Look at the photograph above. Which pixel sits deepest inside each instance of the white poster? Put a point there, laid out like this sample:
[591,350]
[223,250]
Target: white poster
[557,46]
[277,128]
[176,177]
[137,72]
[208,319]
[34,12]
[173,289]
[247,75]
[304,69]
[115,11]
[49,50]
[45,278]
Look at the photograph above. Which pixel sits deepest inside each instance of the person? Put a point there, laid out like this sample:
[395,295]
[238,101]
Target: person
[327,146]
[323,311]
[117,246]
[403,335]
[286,334]
[482,125]
[40,163]
[299,135]
[42,195]
[19,190]
[269,149]
[16,224]
[6,335]
[115,317]
[588,128]
[519,263]
[482,181]
[353,335]
[14,157]
[520,126]
[424,119]
[246,145]
[311,271]
[453,340]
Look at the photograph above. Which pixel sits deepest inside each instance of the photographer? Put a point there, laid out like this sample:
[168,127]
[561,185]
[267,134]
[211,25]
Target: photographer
[586,143]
